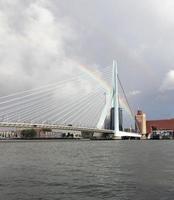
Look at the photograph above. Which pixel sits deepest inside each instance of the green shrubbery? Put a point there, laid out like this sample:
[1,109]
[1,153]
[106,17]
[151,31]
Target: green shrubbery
[46,129]
[28,134]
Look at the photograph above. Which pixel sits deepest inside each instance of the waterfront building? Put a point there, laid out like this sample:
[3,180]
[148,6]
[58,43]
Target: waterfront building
[57,133]
[160,128]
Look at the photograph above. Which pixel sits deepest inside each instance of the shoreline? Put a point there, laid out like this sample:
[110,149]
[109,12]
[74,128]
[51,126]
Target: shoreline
[73,139]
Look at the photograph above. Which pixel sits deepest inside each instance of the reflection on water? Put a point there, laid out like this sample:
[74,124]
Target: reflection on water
[87,170]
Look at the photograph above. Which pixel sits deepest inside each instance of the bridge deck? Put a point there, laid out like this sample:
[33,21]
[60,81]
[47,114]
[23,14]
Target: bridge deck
[63,127]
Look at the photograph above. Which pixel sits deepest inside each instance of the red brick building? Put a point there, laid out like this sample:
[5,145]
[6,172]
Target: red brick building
[163,124]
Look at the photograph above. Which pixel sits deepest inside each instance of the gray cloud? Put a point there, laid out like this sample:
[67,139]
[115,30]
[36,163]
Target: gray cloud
[43,40]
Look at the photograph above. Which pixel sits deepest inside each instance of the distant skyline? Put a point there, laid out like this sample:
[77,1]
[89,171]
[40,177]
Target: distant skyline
[46,40]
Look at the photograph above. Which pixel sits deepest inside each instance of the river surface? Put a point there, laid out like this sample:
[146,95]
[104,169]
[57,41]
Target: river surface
[87,170]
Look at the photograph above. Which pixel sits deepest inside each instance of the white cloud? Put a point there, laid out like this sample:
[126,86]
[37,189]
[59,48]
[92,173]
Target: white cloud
[168,82]
[35,54]
[134,92]
[164,10]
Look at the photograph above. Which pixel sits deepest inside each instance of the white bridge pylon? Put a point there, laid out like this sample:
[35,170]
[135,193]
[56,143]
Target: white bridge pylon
[112,101]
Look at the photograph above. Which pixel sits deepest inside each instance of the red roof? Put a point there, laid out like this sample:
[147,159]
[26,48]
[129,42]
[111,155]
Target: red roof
[163,124]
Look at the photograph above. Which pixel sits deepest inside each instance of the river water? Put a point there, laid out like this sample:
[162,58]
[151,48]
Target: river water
[87,170]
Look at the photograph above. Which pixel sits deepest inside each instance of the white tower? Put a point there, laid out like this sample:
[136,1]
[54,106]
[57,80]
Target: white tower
[112,102]
[115,101]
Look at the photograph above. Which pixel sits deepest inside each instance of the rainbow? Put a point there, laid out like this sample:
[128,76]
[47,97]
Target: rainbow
[96,76]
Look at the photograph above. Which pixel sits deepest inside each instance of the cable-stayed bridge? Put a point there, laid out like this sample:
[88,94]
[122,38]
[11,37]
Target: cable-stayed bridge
[86,102]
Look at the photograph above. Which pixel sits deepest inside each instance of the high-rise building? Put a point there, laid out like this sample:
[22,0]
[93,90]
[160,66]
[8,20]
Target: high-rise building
[120,119]
[140,119]
[112,118]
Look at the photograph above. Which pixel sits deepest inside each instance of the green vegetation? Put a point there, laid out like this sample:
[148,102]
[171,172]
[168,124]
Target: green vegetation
[47,130]
[154,128]
[28,134]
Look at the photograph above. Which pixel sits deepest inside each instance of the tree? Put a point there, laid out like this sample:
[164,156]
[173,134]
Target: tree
[46,130]
[28,134]
[154,128]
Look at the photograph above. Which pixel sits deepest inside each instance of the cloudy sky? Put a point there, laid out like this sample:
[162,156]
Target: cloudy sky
[44,40]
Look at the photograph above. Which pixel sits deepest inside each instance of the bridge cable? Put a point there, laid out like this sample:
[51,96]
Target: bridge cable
[132,113]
